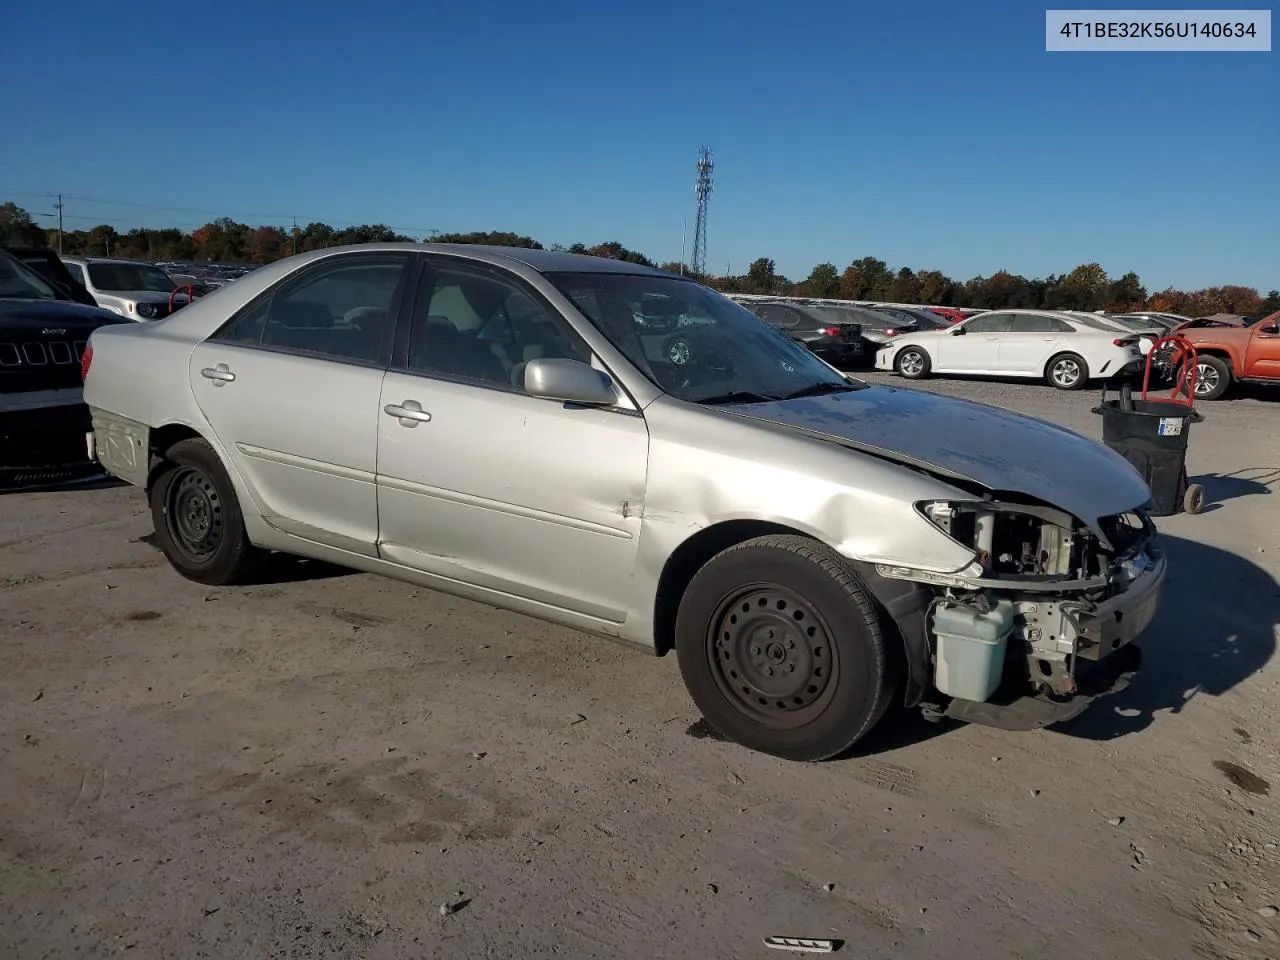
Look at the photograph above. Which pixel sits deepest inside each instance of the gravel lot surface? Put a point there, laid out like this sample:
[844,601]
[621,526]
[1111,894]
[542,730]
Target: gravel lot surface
[313,767]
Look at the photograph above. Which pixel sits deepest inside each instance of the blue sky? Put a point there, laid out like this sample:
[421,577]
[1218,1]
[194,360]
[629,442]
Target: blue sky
[929,134]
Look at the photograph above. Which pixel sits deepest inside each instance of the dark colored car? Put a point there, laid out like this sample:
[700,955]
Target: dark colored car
[44,423]
[50,266]
[837,340]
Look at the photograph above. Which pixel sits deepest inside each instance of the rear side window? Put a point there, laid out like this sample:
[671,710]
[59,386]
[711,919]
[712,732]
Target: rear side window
[1035,323]
[343,310]
[996,323]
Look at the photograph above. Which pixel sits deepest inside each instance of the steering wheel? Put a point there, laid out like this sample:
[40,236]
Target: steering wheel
[697,350]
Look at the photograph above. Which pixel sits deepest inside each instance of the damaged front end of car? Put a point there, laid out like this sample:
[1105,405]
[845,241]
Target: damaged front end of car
[1040,623]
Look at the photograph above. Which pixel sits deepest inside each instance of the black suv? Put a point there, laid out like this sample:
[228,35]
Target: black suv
[44,423]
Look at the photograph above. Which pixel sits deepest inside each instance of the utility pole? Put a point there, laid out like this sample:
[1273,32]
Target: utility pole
[293,234]
[58,207]
[684,233]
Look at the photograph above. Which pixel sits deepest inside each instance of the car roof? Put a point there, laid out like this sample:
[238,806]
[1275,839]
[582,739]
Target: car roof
[139,263]
[543,261]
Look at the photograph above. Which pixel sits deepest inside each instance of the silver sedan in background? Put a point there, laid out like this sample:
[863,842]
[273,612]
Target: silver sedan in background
[633,455]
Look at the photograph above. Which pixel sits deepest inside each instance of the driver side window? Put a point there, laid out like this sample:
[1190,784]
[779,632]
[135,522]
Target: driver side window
[472,323]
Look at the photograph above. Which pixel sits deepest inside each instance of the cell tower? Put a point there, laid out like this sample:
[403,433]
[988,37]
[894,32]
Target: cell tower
[698,262]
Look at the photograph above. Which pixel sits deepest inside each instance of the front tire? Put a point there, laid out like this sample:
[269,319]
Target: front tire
[912,363]
[782,650]
[197,518]
[1213,378]
[1067,371]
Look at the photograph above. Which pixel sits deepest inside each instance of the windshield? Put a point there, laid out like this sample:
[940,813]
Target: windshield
[20,282]
[129,276]
[693,343]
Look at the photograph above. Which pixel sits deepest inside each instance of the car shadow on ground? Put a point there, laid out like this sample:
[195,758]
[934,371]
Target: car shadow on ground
[1241,483]
[283,567]
[1215,629]
[93,483]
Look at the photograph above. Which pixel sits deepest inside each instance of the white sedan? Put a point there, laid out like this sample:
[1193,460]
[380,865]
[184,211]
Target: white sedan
[1063,349]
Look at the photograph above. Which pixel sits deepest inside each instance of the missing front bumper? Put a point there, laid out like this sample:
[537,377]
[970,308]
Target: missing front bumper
[1034,712]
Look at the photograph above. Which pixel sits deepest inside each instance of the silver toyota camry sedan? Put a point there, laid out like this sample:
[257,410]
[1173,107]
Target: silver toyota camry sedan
[631,454]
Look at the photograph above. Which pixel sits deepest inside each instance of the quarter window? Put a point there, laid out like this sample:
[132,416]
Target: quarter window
[474,323]
[341,311]
[76,273]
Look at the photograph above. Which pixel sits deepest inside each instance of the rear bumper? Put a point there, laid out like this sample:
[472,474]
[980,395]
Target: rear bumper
[44,446]
[837,351]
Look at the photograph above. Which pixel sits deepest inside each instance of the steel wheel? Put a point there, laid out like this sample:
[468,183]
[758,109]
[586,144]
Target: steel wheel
[193,514]
[772,656]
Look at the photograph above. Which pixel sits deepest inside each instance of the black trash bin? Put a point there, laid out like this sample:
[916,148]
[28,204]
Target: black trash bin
[1152,435]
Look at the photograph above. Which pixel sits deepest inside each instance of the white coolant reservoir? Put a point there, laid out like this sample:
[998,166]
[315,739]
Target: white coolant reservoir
[970,648]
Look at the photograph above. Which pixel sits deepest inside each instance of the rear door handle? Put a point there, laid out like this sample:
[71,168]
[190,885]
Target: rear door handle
[219,375]
[409,413]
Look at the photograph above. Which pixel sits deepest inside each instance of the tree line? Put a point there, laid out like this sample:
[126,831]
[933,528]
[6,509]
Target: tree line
[1087,287]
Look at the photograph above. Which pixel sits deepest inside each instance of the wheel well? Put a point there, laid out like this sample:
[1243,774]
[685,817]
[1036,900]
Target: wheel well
[161,440]
[687,560]
[1214,352]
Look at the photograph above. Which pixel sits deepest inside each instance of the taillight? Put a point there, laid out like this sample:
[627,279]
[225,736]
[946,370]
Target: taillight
[1124,341]
[890,331]
[86,358]
[831,331]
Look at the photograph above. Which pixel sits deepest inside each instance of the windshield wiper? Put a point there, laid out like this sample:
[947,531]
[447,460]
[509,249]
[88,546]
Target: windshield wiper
[817,389]
[736,396]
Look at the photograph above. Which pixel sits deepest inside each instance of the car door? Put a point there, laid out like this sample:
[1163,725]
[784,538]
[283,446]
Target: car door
[290,386]
[1029,342]
[1262,359]
[483,484]
[976,349]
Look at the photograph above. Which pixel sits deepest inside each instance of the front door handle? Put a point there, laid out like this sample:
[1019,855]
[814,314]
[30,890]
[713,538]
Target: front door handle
[219,375]
[409,413]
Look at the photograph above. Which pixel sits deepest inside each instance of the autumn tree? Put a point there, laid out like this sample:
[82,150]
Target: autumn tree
[762,277]
[17,229]
[906,287]
[823,281]
[492,238]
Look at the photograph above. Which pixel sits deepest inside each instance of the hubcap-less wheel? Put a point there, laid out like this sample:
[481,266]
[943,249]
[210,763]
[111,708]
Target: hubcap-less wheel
[1207,379]
[1066,372]
[911,363]
[194,514]
[772,657]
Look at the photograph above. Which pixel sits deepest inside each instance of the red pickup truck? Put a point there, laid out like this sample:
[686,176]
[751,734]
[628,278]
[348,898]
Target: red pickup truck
[1230,353]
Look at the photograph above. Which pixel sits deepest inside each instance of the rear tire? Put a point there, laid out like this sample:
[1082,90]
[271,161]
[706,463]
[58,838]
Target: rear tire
[197,518]
[912,363]
[1067,371]
[782,650]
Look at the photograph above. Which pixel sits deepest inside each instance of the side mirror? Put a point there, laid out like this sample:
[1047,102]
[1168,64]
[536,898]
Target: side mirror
[958,331]
[1271,329]
[570,381]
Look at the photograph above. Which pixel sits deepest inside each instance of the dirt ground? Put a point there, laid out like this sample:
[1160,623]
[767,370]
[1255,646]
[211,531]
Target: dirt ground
[314,766]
